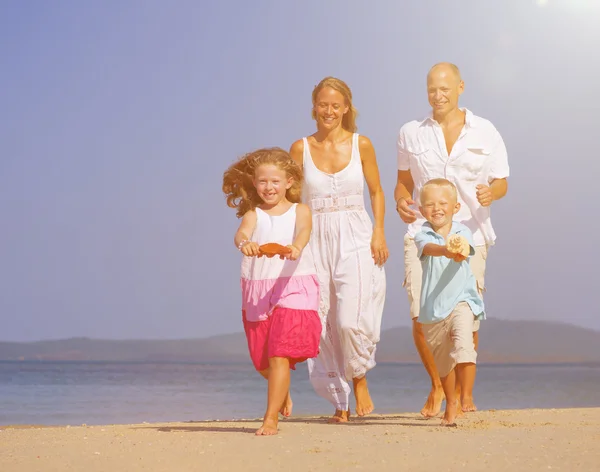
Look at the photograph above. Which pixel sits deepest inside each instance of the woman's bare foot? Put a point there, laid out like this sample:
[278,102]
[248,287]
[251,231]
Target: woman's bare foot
[433,405]
[364,404]
[268,428]
[286,409]
[468,405]
[340,416]
[449,418]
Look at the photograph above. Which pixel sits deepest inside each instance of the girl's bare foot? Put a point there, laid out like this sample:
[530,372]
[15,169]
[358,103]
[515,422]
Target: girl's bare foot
[340,416]
[468,405]
[364,404]
[449,418]
[286,409]
[433,404]
[268,428]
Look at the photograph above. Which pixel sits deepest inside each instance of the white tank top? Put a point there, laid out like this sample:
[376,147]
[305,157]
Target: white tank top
[276,229]
[342,191]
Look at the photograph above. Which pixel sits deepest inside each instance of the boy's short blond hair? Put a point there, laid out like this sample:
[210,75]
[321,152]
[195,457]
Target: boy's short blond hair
[444,183]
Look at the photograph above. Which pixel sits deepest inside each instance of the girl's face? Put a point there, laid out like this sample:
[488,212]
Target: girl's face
[271,183]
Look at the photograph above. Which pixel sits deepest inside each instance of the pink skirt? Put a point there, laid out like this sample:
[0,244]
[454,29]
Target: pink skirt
[290,333]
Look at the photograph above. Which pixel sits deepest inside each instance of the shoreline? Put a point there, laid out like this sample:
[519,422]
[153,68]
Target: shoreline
[491,440]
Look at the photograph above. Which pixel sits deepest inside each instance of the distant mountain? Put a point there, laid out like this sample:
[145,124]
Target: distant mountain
[501,341]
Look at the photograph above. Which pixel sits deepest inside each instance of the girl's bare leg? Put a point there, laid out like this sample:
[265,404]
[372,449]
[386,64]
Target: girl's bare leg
[279,386]
[286,408]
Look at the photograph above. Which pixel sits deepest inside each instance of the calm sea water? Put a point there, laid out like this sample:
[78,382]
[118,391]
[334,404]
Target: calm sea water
[62,393]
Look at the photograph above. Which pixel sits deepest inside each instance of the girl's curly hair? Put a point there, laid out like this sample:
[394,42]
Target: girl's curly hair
[238,185]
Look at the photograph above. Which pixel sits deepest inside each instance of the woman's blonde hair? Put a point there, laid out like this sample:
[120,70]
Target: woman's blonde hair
[238,184]
[349,118]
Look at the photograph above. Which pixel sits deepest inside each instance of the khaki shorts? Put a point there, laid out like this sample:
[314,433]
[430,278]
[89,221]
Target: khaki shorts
[413,274]
[451,340]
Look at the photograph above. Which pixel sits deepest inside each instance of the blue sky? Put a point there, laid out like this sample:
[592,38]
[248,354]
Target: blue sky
[118,119]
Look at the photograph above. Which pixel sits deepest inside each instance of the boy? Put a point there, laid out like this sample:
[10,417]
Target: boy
[449,298]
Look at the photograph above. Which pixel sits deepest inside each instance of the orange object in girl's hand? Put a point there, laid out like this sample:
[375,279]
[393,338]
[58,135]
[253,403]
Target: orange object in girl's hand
[274,249]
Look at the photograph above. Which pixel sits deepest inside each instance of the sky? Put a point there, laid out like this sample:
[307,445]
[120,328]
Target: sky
[118,118]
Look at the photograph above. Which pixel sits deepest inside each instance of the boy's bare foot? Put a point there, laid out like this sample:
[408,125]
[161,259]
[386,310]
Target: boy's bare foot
[286,409]
[450,415]
[268,428]
[364,404]
[433,405]
[340,416]
[468,405]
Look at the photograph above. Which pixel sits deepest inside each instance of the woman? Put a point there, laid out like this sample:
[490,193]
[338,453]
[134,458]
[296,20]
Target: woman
[349,253]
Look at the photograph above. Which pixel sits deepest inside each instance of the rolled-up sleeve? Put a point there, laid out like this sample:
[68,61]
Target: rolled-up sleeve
[403,158]
[499,160]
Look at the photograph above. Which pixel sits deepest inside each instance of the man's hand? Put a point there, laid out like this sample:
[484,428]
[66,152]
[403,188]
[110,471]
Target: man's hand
[403,209]
[484,195]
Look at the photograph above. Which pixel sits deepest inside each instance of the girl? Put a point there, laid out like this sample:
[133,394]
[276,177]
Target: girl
[280,296]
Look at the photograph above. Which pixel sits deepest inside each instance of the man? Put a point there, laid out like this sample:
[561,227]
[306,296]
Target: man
[454,144]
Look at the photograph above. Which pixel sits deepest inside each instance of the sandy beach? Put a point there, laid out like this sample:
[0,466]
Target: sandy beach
[566,439]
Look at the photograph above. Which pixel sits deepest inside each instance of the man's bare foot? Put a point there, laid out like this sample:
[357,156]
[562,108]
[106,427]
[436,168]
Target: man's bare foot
[468,405]
[268,428]
[364,404]
[433,405]
[286,409]
[340,416]
[450,415]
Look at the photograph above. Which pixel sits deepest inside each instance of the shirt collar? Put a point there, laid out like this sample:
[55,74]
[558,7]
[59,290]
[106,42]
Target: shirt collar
[469,119]
[426,228]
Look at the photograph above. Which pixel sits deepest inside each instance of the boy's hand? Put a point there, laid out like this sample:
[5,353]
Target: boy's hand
[250,249]
[294,253]
[459,258]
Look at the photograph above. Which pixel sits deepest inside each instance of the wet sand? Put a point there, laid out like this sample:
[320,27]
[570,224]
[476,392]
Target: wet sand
[531,440]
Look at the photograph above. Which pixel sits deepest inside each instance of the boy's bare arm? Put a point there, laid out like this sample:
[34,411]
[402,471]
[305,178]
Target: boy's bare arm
[437,250]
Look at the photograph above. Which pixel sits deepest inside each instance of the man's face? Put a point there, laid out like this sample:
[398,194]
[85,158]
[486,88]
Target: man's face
[443,90]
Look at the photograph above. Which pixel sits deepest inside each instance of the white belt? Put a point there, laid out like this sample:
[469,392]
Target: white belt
[337,203]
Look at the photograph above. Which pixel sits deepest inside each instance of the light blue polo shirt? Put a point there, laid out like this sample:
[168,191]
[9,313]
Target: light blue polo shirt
[446,283]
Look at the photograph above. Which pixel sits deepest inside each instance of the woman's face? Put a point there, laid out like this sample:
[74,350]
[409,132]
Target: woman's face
[329,108]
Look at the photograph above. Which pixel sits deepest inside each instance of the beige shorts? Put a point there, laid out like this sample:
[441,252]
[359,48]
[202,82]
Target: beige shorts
[451,340]
[413,274]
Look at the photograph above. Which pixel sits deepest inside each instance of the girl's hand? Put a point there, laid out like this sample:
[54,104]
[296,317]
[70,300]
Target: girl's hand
[379,249]
[294,254]
[249,249]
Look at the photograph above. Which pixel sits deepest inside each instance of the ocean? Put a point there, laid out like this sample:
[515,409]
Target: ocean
[74,393]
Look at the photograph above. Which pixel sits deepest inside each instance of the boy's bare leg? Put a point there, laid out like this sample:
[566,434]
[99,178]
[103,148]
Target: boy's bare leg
[286,408]
[449,386]
[466,373]
[465,402]
[279,386]
[433,404]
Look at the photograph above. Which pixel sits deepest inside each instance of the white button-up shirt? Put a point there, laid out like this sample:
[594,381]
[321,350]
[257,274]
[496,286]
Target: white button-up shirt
[478,157]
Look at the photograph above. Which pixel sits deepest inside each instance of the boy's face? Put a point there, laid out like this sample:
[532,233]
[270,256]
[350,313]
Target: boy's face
[438,206]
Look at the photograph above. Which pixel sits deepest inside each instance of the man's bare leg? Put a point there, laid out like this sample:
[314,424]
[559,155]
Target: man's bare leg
[448,384]
[279,387]
[364,403]
[286,408]
[433,405]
